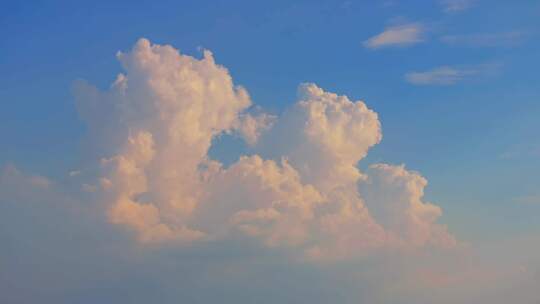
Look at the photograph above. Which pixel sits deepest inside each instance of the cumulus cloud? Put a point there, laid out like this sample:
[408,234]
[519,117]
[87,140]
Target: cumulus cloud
[324,135]
[301,190]
[159,121]
[400,35]
[394,197]
[449,75]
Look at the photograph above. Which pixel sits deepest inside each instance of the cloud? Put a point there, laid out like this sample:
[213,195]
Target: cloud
[394,197]
[448,75]
[439,76]
[400,35]
[324,135]
[454,6]
[301,191]
[507,39]
[164,222]
[15,186]
[521,151]
[54,253]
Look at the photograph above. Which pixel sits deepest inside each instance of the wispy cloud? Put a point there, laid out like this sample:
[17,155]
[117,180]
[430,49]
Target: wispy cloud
[521,151]
[510,38]
[444,75]
[454,6]
[400,35]
[449,75]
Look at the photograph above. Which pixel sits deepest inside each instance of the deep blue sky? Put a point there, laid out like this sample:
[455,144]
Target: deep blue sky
[476,140]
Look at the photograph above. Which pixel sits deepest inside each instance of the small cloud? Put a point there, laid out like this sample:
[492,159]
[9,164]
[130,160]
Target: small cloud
[521,151]
[401,35]
[388,3]
[89,188]
[439,76]
[448,75]
[74,173]
[454,6]
[508,39]
[346,4]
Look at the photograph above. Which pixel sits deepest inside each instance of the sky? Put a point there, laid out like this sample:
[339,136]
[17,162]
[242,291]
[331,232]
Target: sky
[278,151]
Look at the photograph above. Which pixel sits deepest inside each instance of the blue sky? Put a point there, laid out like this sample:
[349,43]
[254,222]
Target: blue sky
[471,131]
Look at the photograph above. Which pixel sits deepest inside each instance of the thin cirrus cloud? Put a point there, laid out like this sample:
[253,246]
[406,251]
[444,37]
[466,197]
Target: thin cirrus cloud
[397,36]
[506,39]
[454,6]
[450,75]
[521,151]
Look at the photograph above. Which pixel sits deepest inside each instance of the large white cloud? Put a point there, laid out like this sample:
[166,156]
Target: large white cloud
[200,231]
[155,126]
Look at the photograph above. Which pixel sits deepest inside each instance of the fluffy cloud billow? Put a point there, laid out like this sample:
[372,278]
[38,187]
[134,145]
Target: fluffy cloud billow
[300,190]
